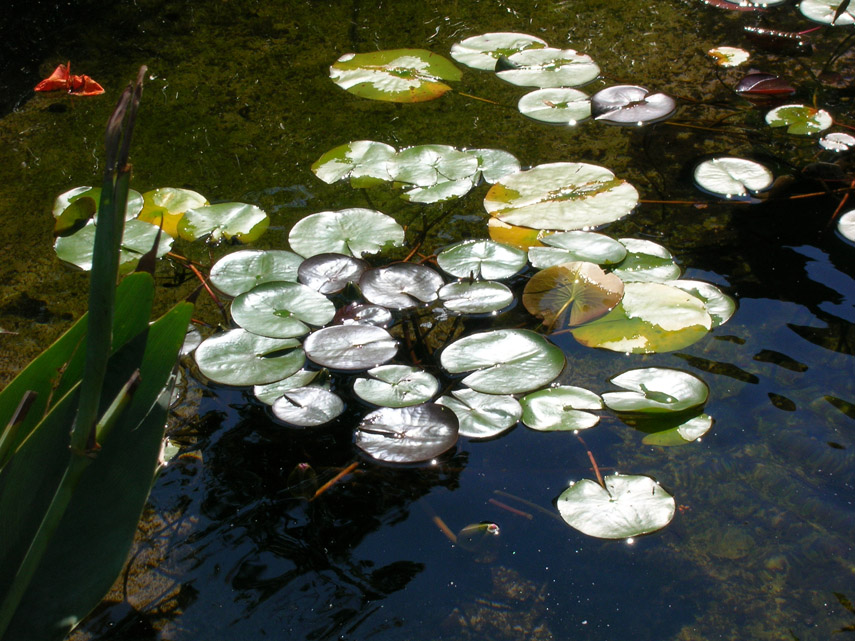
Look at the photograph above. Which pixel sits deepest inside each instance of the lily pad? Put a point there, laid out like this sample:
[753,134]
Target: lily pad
[482,416]
[560,409]
[224,221]
[240,271]
[351,347]
[269,392]
[837,141]
[729,56]
[846,226]
[308,406]
[686,432]
[627,506]
[482,52]
[631,105]
[571,294]
[138,238]
[656,390]
[426,165]
[72,208]
[548,67]
[485,259]
[563,106]
[761,87]
[651,317]
[330,273]
[585,246]
[167,205]
[396,75]
[719,305]
[799,119]
[281,310]
[646,261]
[396,386]
[565,196]
[362,313]
[363,161]
[506,361]
[239,357]
[407,434]
[495,164]
[513,235]
[441,191]
[476,297]
[400,285]
[823,11]
[352,232]
[732,178]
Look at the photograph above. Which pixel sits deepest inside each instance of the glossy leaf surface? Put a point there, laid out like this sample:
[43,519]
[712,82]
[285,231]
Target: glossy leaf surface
[352,232]
[476,297]
[400,285]
[242,270]
[485,259]
[646,261]
[330,273]
[482,52]
[548,67]
[351,347]
[563,106]
[560,409]
[656,389]
[396,386]
[482,416]
[224,221]
[730,177]
[799,119]
[407,434]
[631,105]
[281,310]
[307,406]
[585,246]
[238,357]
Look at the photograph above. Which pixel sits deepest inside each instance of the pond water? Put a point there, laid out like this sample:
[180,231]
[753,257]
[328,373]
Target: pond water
[237,106]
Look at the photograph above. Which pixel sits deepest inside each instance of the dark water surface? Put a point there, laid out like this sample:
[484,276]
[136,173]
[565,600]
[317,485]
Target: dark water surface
[237,106]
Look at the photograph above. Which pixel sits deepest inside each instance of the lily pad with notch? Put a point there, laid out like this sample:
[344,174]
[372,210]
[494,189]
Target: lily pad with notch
[476,297]
[799,119]
[281,310]
[407,434]
[238,357]
[242,270]
[330,273]
[762,88]
[482,416]
[624,506]
[494,164]
[719,305]
[137,239]
[396,386]
[224,221]
[560,408]
[482,52]
[732,178]
[350,347]
[167,205]
[269,392]
[505,361]
[352,232]
[567,247]
[365,162]
[308,406]
[485,259]
[549,67]
[560,106]
[73,208]
[837,141]
[846,226]
[684,433]
[646,261]
[631,105]
[656,390]
[363,313]
[400,285]
[828,12]
[395,75]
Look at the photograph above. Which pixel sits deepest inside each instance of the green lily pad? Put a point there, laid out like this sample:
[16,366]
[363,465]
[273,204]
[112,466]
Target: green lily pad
[240,271]
[823,11]
[482,416]
[651,317]
[167,205]
[75,206]
[351,347]
[441,191]
[564,195]
[732,177]
[562,106]
[482,52]
[427,165]
[396,75]
[560,409]
[400,285]
[352,232]
[363,314]
[631,105]
[729,56]
[646,261]
[548,67]
[396,386]
[571,294]
[330,273]
[307,406]
[269,392]
[407,434]
[476,297]
[684,433]
[656,390]
[799,119]
[506,361]
[238,357]
[495,164]
[363,161]
[719,305]
[627,506]
[485,259]
[571,246]
[138,238]
[224,221]
[281,310]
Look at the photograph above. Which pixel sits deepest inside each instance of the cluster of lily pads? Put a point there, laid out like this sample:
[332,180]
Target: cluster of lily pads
[178,213]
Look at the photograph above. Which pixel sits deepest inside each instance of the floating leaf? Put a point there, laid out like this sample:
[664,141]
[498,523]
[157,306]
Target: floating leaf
[732,178]
[585,246]
[74,207]
[426,165]
[559,409]
[485,259]
[482,52]
[362,313]
[627,506]
[631,105]
[562,106]
[238,221]
[651,317]
[269,392]
[351,347]
[307,406]
[441,191]
[646,261]
[563,196]
[352,232]
[240,271]
[799,119]
[513,235]
[656,390]
[396,386]
[330,273]
[571,294]
[400,285]
[396,75]
[762,87]
[719,305]
[168,205]
[363,161]
[548,67]
[138,238]
[238,357]
[495,164]
[407,434]
[281,310]
[837,141]
[476,297]
[507,361]
[846,226]
[482,416]
[824,12]
[684,433]
[729,56]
